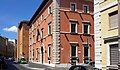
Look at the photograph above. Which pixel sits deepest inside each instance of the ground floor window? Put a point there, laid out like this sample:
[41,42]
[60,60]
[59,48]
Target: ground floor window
[86,54]
[114,54]
[86,50]
[73,50]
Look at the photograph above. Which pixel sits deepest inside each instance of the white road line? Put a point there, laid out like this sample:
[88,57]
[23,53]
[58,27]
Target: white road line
[26,65]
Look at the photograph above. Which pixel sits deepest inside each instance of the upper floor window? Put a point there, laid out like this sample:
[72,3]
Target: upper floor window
[113,19]
[73,27]
[86,28]
[38,34]
[49,28]
[73,6]
[42,33]
[86,8]
[49,10]
[42,17]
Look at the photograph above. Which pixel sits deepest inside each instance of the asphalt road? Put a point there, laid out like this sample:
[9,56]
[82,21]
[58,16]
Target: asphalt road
[14,66]
[31,66]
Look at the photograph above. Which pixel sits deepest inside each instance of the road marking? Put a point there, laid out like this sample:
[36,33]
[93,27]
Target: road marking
[26,65]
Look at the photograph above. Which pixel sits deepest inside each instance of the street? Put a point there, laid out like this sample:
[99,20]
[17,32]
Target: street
[31,66]
[14,66]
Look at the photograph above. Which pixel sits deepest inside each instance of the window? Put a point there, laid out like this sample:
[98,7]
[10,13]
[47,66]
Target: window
[73,27]
[113,19]
[38,34]
[114,54]
[42,33]
[49,29]
[86,47]
[37,53]
[49,51]
[33,52]
[73,50]
[86,8]
[86,52]
[86,28]
[33,38]
[73,6]
[49,10]
[42,17]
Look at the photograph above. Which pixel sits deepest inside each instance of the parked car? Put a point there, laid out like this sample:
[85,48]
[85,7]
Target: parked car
[11,59]
[81,67]
[22,61]
[3,63]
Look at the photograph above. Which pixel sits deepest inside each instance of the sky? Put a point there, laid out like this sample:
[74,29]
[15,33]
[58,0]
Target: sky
[14,11]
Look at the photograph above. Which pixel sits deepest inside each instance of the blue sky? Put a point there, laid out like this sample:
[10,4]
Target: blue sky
[14,11]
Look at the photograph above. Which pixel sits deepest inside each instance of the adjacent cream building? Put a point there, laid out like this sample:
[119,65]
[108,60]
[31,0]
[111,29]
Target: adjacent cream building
[106,34]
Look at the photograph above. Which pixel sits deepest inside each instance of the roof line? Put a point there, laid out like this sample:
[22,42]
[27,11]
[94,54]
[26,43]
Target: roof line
[37,11]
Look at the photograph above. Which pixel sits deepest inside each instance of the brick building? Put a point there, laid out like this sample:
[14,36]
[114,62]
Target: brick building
[6,47]
[61,30]
[23,40]
[3,45]
[15,50]
[10,49]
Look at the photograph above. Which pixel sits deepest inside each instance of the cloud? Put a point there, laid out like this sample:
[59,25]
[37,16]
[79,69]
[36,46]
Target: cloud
[13,40]
[11,29]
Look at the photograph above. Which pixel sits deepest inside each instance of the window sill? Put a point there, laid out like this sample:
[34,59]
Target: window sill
[86,34]
[73,11]
[72,33]
[113,28]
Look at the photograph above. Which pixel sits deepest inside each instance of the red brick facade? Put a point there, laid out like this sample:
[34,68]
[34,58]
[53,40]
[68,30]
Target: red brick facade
[41,37]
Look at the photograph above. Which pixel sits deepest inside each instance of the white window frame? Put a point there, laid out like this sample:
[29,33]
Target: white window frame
[76,49]
[42,33]
[88,28]
[36,55]
[71,6]
[50,10]
[48,50]
[42,17]
[108,51]
[48,28]
[88,50]
[88,7]
[75,27]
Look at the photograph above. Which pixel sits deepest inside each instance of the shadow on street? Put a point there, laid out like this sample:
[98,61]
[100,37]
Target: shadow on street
[11,65]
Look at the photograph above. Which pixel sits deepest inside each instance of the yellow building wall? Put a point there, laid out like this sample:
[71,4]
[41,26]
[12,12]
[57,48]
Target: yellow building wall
[104,3]
[106,31]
